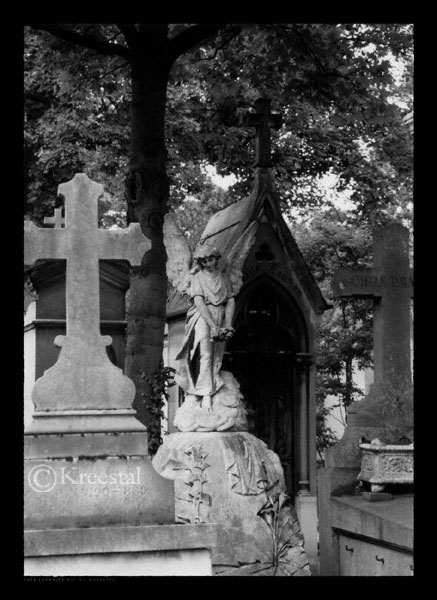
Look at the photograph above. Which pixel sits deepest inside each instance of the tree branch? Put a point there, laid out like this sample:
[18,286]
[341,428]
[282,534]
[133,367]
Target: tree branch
[226,42]
[130,33]
[188,38]
[86,40]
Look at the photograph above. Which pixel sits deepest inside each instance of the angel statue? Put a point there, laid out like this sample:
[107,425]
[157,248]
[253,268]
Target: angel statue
[213,401]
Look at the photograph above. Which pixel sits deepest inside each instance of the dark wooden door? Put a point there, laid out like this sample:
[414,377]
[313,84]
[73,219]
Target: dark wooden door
[261,357]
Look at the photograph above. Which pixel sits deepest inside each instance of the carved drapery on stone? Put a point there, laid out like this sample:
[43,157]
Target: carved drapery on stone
[234,480]
[250,470]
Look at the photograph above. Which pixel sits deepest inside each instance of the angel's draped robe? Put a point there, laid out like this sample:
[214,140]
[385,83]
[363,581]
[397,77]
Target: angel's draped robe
[200,359]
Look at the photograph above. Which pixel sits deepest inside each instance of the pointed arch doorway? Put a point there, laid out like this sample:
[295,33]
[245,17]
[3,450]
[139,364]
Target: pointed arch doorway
[264,355]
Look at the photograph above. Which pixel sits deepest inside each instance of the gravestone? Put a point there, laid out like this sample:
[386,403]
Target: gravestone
[387,411]
[83,391]
[390,284]
[92,500]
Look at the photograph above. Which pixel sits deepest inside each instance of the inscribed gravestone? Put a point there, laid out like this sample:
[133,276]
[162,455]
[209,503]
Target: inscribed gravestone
[84,396]
[387,411]
[389,403]
[92,500]
[390,283]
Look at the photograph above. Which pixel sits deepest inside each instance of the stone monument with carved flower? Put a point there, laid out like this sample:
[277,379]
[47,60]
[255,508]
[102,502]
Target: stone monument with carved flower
[222,473]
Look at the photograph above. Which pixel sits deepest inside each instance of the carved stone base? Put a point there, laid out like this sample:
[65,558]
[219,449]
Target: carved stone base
[92,480]
[382,464]
[234,480]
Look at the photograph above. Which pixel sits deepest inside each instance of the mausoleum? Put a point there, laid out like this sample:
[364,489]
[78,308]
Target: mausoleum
[276,320]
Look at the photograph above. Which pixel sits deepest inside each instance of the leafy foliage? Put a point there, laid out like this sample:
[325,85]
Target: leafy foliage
[328,242]
[76,120]
[155,402]
[334,85]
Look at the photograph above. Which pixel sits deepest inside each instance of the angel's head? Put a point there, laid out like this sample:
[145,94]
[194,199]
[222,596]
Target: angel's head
[206,256]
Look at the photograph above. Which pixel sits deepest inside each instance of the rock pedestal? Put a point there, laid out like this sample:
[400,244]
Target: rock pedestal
[234,480]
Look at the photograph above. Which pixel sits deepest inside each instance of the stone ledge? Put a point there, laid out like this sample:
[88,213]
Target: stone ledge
[62,445]
[103,540]
[390,521]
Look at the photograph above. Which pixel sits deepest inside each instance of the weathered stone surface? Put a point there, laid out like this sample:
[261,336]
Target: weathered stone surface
[390,283]
[132,538]
[391,521]
[120,551]
[387,411]
[234,480]
[91,491]
[377,496]
[83,378]
[382,464]
[157,563]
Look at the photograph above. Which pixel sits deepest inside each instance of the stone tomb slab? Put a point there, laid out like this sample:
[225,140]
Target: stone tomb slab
[146,550]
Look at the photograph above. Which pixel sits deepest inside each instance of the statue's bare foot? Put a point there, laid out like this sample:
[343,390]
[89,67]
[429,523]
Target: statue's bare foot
[206,403]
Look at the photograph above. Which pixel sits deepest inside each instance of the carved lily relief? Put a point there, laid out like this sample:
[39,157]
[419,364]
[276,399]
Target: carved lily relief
[280,518]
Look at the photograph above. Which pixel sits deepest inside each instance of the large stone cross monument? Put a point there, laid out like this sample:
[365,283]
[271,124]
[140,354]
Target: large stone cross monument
[83,391]
[93,503]
[387,410]
[390,283]
[386,413]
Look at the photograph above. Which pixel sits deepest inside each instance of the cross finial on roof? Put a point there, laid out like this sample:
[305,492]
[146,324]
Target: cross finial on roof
[262,119]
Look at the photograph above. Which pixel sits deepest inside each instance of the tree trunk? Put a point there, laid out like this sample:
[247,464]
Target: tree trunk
[349,383]
[147,193]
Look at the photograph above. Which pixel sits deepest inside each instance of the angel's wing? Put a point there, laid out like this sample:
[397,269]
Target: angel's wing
[179,255]
[237,255]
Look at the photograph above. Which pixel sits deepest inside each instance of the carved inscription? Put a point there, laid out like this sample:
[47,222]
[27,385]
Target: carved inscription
[365,281]
[132,491]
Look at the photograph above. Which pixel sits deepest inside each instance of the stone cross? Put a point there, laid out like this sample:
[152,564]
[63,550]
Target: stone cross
[262,120]
[57,220]
[83,381]
[390,283]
